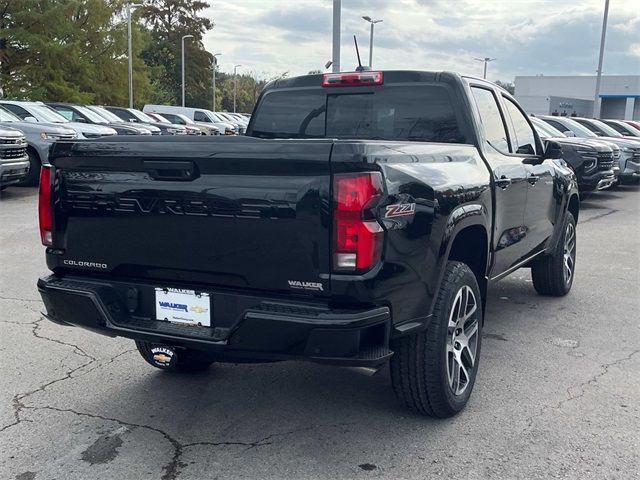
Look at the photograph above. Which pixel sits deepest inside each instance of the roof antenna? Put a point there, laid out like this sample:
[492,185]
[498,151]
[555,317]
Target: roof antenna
[359,68]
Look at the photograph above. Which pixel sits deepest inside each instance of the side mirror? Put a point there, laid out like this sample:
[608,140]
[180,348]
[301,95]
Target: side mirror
[553,151]
[81,120]
[569,133]
[31,119]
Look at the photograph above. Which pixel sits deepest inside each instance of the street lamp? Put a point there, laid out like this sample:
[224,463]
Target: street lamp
[597,101]
[130,74]
[485,60]
[235,85]
[183,38]
[214,64]
[372,22]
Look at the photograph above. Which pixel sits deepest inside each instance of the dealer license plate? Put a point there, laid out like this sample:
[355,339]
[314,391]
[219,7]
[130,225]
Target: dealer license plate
[183,306]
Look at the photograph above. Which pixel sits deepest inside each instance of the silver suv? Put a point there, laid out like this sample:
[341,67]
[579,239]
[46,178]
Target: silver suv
[14,163]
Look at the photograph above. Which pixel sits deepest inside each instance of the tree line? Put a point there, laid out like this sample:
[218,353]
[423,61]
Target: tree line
[76,51]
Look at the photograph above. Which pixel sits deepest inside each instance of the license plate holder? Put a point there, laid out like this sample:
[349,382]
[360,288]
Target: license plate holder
[184,307]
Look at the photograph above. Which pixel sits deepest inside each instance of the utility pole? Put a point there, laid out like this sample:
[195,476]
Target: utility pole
[130,52]
[335,58]
[214,64]
[183,38]
[485,60]
[235,85]
[596,101]
[372,22]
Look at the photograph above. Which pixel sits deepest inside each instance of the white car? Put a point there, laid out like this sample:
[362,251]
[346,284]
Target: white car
[38,112]
[198,115]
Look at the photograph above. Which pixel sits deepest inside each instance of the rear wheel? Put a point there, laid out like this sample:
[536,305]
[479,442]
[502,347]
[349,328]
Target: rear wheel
[553,274]
[169,358]
[433,372]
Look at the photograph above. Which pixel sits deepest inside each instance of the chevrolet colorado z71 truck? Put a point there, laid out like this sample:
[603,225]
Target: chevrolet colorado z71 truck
[359,222]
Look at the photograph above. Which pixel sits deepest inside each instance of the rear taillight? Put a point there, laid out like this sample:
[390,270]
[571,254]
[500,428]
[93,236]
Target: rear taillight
[352,79]
[358,237]
[45,212]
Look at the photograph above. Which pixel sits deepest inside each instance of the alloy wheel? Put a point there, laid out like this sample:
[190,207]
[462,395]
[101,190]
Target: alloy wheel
[462,340]
[569,253]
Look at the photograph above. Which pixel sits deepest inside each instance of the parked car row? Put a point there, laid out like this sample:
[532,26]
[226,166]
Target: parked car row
[602,153]
[227,123]
[43,123]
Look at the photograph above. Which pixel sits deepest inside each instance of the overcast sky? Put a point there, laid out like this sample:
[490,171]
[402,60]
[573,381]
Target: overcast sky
[527,37]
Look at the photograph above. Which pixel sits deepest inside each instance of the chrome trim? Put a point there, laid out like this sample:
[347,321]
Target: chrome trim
[605,183]
[516,266]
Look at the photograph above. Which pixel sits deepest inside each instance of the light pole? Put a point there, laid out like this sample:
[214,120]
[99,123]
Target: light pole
[485,60]
[235,85]
[183,38]
[335,54]
[130,73]
[596,102]
[214,64]
[372,22]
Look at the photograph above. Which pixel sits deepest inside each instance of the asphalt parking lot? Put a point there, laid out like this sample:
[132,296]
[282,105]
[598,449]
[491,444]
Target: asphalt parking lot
[556,395]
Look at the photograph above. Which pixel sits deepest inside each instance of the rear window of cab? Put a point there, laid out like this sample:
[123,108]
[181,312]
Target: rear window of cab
[417,112]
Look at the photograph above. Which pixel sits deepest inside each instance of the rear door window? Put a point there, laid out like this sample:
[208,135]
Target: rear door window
[420,112]
[494,128]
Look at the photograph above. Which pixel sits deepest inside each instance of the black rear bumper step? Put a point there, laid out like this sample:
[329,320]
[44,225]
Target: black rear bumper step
[266,329]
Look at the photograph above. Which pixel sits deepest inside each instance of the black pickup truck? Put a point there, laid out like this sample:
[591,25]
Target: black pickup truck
[360,221]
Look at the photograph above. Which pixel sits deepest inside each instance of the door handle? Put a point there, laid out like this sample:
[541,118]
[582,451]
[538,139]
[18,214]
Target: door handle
[533,179]
[503,182]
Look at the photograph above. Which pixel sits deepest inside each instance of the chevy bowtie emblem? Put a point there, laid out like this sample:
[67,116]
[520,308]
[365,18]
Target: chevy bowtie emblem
[162,358]
[199,309]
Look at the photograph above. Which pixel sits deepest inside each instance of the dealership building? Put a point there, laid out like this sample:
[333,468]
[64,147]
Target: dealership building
[551,95]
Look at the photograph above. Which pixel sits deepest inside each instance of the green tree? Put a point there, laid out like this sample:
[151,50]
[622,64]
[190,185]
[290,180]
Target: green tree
[79,56]
[167,21]
[508,86]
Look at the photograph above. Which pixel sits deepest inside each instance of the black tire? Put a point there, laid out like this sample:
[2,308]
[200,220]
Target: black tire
[185,361]
[33,178]
[549,275]
[421,363]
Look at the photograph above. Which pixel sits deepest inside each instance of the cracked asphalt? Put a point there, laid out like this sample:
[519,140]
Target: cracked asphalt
[557,394]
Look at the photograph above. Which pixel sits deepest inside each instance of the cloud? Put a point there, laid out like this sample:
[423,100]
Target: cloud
[526,37]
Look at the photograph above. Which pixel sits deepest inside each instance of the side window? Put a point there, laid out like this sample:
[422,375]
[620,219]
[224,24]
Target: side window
[201,117]
[123,114]
[68,114]
[16,110]
[557,125]
[491,118]
[524,140]
[591,126]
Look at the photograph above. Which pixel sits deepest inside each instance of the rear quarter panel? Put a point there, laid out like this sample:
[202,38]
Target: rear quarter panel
[450,186]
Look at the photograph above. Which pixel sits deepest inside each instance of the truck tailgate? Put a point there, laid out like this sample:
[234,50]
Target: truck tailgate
[234,212]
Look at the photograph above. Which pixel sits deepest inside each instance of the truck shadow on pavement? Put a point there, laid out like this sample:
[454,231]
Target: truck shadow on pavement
[303,406]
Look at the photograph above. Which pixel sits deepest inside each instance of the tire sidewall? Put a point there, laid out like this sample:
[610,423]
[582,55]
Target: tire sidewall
[461,277]
[33,176]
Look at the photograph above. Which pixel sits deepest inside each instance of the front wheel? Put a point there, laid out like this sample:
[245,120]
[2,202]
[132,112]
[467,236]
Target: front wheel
[433,372]
[33,177]
[553,274]
[172,359]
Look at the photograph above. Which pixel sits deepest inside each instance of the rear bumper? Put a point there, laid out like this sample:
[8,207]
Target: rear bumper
[13,171]
[243,327]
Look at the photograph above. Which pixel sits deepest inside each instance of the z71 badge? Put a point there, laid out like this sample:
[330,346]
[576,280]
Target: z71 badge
[400,210]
